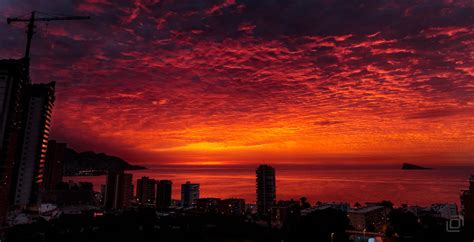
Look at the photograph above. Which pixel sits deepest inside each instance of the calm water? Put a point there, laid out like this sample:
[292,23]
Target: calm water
[421,187]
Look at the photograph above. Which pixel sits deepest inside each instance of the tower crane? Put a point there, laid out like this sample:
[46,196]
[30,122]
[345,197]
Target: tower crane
[31,26]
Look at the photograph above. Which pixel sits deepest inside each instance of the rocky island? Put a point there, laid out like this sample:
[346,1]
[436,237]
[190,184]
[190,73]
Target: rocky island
[408,166]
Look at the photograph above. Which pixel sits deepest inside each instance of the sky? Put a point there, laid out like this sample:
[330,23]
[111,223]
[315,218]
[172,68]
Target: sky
[226,82]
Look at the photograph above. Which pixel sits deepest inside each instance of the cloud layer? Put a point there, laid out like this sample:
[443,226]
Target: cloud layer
[233,81]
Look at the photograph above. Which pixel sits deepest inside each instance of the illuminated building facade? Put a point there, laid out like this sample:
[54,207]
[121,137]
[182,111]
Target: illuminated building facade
[30,171]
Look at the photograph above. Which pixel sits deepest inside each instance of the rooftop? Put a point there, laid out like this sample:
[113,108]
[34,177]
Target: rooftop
[365,209]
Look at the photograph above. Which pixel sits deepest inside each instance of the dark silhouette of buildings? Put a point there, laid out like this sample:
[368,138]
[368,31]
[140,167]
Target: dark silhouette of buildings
[14,82]
[285,211]
[146,190]
[53,168]
[24,131]
[25,117]
[369,218]
[163,191]
[266,189]
[189,193]
[232,206]
[119,190]
[467,201]
[70,193]
[30,171]
[207,205]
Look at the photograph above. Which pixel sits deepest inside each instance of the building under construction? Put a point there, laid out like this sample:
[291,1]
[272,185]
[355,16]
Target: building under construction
[25,111]
[25,118]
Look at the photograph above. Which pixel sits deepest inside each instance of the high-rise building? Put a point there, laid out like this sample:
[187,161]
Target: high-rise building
[53,168]
[14,81]
[467,201]
[146,190]
[189,193]
[163,198]
[266,189]
[118,191]
[29,176]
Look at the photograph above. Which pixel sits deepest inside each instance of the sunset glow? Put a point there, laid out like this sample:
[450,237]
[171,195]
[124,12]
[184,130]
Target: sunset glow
[244,82]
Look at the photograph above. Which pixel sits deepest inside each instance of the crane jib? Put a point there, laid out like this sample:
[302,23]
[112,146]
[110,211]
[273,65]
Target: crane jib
[31,25]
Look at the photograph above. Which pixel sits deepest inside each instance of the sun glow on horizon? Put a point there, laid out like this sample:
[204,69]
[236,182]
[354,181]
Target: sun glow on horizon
[178,89]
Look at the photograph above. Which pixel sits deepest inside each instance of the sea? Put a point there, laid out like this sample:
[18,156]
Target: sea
[351,184]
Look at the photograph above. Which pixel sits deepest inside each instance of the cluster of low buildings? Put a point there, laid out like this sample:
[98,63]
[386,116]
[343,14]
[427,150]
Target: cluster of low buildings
[118,192]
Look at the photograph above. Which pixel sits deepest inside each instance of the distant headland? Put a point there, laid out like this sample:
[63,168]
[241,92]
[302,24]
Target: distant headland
[90,163]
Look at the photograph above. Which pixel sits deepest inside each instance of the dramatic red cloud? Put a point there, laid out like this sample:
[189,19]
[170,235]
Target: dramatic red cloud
[225,82]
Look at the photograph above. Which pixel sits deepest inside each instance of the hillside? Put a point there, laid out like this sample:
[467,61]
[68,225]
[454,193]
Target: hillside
[76,162]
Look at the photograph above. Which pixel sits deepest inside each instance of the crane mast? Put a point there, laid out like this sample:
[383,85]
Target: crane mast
[31,26]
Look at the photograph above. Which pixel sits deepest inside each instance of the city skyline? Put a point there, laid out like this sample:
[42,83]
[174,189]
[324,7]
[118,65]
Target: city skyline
[237,120]
[215,84]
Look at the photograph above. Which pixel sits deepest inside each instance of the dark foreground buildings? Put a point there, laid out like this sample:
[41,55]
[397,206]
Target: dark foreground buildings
[118,191]
[70,193]
[146,190]
[467,201]
[53,169]
[14,82]
[232,206]
[189,193]
[163,191]
[25,116]
[266,189]
[34,143]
